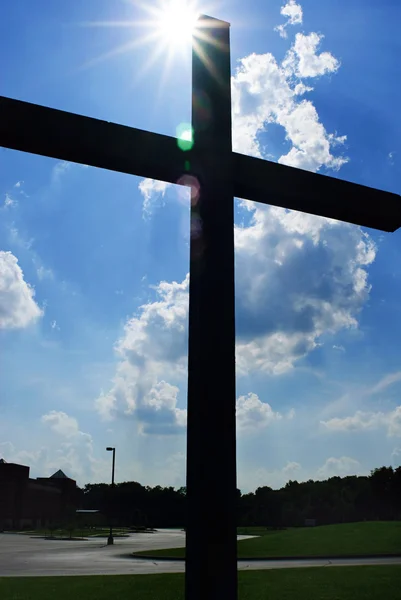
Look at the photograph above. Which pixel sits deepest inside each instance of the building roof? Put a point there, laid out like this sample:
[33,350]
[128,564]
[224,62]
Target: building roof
[59,475]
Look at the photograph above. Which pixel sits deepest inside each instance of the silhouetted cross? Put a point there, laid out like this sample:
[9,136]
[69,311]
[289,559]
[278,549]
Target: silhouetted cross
[216,175]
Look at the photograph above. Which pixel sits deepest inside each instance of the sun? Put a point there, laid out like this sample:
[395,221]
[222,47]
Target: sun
[169,29]
[175,21]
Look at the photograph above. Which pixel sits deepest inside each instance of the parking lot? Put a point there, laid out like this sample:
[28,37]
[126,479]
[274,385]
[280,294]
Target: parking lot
[23,555]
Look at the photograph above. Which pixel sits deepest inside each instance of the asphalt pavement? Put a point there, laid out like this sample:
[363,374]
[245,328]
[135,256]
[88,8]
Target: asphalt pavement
[21,555]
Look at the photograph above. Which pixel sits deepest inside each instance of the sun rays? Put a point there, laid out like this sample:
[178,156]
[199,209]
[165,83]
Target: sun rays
[167,29]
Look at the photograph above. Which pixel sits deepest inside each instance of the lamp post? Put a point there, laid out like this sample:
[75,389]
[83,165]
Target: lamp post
[110,539]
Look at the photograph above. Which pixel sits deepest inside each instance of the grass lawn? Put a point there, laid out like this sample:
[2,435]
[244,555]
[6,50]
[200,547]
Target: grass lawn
[253,530]
[334,583]
[382,537]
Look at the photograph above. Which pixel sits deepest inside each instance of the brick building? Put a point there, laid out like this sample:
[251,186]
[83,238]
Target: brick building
[33,503]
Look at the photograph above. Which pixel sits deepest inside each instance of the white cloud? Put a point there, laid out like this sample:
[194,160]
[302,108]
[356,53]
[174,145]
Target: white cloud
[75,454]
[42,272]
[9,202]
[340,467]
[251,477]
[75,457]
[170,470]
[302,59]
[293,12]
[19,240]
[292,468]
[291,413]
[281,315]
[264,92]
[154,345]
[301,89]
[158,412]
[384,383]
[61,423]
[252,414]
[151,189]
[9,452]
[367,421]
[396,456]
[59,169]
[17,305]
[6,451]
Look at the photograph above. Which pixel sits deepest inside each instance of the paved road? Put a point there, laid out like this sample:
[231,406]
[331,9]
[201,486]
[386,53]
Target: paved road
[26,556]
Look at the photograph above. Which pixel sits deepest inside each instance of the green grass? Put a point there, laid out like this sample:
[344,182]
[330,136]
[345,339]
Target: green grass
[383,537]
[253,530]
[334,583]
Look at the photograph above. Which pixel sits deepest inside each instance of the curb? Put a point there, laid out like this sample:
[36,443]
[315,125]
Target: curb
[276,558]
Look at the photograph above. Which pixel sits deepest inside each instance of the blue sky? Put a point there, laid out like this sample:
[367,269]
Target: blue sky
[93,264]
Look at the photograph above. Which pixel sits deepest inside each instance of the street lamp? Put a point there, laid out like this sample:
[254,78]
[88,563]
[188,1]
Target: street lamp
[110,539]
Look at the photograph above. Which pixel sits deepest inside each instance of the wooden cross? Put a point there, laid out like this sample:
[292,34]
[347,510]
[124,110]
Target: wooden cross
[216,175]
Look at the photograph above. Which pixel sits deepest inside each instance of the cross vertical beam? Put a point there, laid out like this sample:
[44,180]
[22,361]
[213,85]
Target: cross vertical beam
[211,552]
[211,571]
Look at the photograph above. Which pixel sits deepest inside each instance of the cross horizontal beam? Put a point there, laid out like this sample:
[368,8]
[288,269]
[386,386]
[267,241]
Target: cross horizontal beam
[80,139]
[316,194]
[75,138]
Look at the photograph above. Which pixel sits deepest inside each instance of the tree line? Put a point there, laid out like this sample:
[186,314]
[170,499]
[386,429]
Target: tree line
[335,500]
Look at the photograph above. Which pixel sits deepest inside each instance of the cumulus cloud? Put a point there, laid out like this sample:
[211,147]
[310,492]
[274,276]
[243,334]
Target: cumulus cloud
[367,421]
[150,190]
[294,14]
[61,423]
[37,458]
[153,346]
[18,308]
[252,414]
[303,61]
[75,454]
[265,92]
[339,467]
[281,316]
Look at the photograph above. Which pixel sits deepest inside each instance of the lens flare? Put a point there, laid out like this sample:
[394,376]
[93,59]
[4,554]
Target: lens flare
[184,136]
